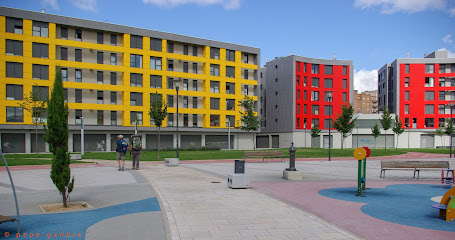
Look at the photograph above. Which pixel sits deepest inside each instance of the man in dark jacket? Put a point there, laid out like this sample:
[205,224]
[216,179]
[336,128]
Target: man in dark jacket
[121,147]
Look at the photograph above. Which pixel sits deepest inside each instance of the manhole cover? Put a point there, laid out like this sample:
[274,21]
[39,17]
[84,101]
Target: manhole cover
[215,182]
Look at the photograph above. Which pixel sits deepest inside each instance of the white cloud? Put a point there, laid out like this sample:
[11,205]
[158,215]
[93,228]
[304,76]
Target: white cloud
[365,80]
[227,4]
[452,12]
[451,54]
[88,5]
[447,39]
[409,6]
[52,3]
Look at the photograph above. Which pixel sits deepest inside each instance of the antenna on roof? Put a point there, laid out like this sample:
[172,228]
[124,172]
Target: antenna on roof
[407,54]
[266,59]
[290,53]
[334,57]
[43,10]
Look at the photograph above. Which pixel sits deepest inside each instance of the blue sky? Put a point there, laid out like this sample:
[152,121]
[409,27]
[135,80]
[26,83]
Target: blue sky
[369,32]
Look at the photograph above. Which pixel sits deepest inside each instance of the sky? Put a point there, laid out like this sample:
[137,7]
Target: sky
[371,33]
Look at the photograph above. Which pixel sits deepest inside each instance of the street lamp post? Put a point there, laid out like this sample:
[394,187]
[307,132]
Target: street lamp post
[329,98]
[229,133]
[357,136]
[82,137]
[176,82]
[451,123]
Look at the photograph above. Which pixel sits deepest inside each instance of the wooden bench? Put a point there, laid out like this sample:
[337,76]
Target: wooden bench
[416,166]
[264,154]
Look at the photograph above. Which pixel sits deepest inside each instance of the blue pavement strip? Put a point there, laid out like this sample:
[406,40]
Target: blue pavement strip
[406,204]
[72,225]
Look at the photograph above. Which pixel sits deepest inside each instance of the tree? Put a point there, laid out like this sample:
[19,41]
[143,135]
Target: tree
[375,131]
[440,133]
[345,123]
[386,121]
[450,129]
[56,135]
[250,120]
[398,128]
[315,131]
[158,112]
[35,105]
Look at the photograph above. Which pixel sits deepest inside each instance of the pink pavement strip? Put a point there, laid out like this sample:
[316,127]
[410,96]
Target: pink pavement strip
[345,214]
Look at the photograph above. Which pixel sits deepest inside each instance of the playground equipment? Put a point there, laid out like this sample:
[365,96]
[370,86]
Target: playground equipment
[4,219]
[447,206]
[450,180]
[361,154]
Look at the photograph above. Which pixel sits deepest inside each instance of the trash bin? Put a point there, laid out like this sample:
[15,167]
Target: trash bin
[239,166]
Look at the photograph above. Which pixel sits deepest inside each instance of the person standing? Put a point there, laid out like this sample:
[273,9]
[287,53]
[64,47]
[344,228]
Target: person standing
[121,147]
[135,150]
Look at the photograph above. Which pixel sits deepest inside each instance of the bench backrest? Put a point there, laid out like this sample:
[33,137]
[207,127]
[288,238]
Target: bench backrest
[415,164]
[262,153]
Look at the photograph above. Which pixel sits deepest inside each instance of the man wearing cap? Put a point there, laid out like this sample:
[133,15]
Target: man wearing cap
[121,147]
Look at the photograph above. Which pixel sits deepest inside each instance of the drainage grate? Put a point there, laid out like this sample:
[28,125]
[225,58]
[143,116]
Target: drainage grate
[215,182]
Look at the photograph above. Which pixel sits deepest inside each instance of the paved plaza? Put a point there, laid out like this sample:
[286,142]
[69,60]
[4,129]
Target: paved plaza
[192,201]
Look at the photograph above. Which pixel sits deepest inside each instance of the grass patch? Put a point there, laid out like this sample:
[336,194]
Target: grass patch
[29,161]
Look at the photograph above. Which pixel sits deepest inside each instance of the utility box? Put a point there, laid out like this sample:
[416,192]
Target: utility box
[239,166]
[170,162]
[238,180]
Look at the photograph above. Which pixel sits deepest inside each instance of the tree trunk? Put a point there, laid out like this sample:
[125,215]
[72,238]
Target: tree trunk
[342,141]
[36,142]
[385,141]
[374,143]
[254,144]
[397,142]
[159,144]
[65,198]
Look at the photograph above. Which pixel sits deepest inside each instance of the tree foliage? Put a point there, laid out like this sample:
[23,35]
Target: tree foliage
[375,131]
[56,135]
[386,122]
[345,123]
[158,112]
[398,128]
[250,120]
[440,132]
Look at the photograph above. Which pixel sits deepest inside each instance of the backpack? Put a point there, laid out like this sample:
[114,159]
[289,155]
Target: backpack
[136,143]
[122,145]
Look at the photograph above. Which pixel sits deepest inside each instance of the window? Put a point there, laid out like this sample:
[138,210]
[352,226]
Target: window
[328,69]
[136,41]
[136,117]
[230,55]
[64,54]
[185,102]
[113,98]
[40,29]
[99,57]
[214,120]
[136,61]
[230,88]
[155,44]
[185,67]
[429,95]
[315,109]
[298,80]
[135,99]
[194,85]
[442,82]
[170,119]
[304,67]
[442,68]
[113,59]
[99,97]
[194,102]
[155,81]
[328,83]
[442,122]
[314,122]
[245,58]
[185,49]
[170,65]
[78,35]
[214,103]
[78,116]
[429,122]
[230,104]
[298,108]
[328,110]
[315,68]
[345,70]
[429,68]
[304,81]
[170,83]
[441,109]
[429,82]
[78,95]
[155,63]
[298,94]
[14,114]
[304,95]
[14,47]
[170,101]
[406,95]
[170,47]
[195,68]
[154,96]
[78,55]
[345,97]
[64,72]
[406,122]
[314,96]
[345,83]
[14,25]
[429,109]
[99,38]
[245,74]
[326,97]
[14,92]
[40,50]
[214,53]
[194,51]
[315,82]
[114,39]
[113,78]
[442,95]
[214,70]
[135,80]
[65,95]
[185,84]
[406,109]
[245,90]
[41,92]
[40,72]
[78,75]
[406,82]
[185,120]
[230,72]
[99,77]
